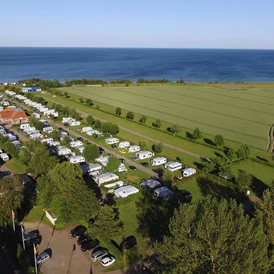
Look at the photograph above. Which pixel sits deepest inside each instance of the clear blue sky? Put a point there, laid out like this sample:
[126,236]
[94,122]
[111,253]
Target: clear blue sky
[138,23]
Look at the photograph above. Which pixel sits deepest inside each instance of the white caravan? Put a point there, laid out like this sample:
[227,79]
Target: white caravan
[85,129]
[4,156]
[62,150]
[104,178]
[77,159]
[66,119]
[141,155]
[111,140]
[158,161]
[94,131]
[125,191]
[132,149]
[172,166]
[76,144]
[186,172]
[24,126]
[74,123]
[47,140]
[124,144]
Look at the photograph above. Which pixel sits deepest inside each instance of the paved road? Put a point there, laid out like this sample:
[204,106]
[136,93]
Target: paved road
[84,114]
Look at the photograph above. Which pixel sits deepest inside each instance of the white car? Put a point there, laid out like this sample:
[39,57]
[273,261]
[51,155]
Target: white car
[44,256]
[97,255]
[107,260]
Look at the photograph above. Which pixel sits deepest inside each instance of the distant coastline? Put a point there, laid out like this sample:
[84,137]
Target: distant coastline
[193,65]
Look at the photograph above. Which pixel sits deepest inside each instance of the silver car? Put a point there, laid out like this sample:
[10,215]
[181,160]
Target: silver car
[97,255]
[44,256]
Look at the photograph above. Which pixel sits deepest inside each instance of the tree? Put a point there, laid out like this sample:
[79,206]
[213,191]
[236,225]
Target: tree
[81,100]
[243,152]
[90,120]
[106,127]
[114,129]
[175,128]
[106,224]
[98,124]
[66,94]
[158,148]
[219,140]
[89,102]
[130,115]
[212,236]
[91,152]
[143,144]
[197,134]
[54,135]
[39,125]
[143,119]
[113,164]
[243,180]
[157,123]
[32,120]
[118,111]
[11,193]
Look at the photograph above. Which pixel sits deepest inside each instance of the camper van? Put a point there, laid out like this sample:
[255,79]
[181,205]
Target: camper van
[77,159]
[125,191]
[158,161]
[85,129]
[144,155]
[124,144]
[24,126]
[172,166]
[111,140]
[132,149]
[76,144]
[186,172]
[104,178]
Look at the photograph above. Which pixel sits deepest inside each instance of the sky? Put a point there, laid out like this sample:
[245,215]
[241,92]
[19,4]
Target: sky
[243,24]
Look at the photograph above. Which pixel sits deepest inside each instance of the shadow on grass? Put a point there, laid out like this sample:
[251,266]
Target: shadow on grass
[209,186]
[262,159]
[189,135]
[258,187]
[209,142]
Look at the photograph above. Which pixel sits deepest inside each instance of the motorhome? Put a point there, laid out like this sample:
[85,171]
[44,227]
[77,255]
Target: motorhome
[144,155]
[125,191]
[24,126]
[111,140]
[158,161]
[132,149]
[163,193]
[172,166]
[85,129]
[104,178]
[77,159]
[124,144]
[186,172]
[62,150]
[76,143]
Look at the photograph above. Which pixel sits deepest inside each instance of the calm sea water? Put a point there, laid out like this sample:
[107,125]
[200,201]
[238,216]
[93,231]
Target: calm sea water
[123,63]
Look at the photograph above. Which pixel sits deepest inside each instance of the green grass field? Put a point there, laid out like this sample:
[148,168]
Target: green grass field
[239,115]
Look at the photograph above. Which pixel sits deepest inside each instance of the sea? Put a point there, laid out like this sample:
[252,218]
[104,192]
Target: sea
[193,65]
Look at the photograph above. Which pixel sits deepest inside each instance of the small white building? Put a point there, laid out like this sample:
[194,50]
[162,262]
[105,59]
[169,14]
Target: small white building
[124,144]
[186,172]
[104,178]
[125,191]
[172,166]
[76,143]
[77,159]
[85,129]
[158,161]
[141,155]
[111,140]
[132,149]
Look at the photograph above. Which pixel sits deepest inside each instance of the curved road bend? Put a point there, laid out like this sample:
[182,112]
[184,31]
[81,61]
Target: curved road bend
[84,114]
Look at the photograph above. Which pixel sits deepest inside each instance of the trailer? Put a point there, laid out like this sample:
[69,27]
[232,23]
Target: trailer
[172,166]
[77,159]
[85,129]
[24,126]
[150,183]
[90,168]
[141,155]
[66,119]
[93,131]
[163,193]
[104,178]
[125,191]
[122,168]
[158,161]
[4,156]
[124,144]
[81,149]
[186,172]
[111,140]
[54,144]
[132,149]
[103,160]
[62,150]
[76,143]
[47,140]
[74,123]
[48,129]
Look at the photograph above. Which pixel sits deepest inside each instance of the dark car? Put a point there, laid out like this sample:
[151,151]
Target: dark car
[77,231]
[88,143]
[60,128]
[80,138]
[114,146]
[122,160]
[159,171]
[82,239]
[19,130]
[144,164]
[128,243]
[34,241]
[186,194]
[101,150]
[31,235]
[88,245]
[132,167]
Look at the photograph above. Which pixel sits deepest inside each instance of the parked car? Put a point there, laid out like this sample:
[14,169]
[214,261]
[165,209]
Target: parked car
[44,256]
[114,146]
[98,254]
[33,241]
[101,150]
[107,260]
[109,154]
[80,138]
[132,167]
[176,178]
[89,245]
[128,243]
[144,164]
[82,239]
[31,235]
[159,171]
[122,160]
[77,231]
[60,128]
[186,194]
